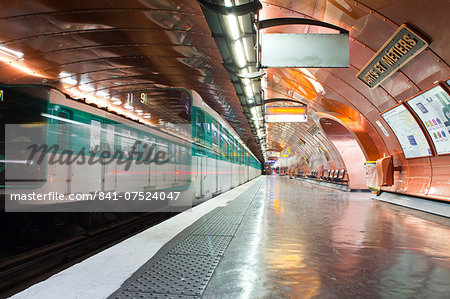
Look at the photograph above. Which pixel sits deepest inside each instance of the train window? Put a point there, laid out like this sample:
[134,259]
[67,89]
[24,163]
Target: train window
[172,152]
[62,131]
[239,154]
[200,124]
[24,104]
[109,144]
[215,136]
[146,146]
[125,144]
[96,133]
[175,153]
[133,144]
[163,146]
[224,146]
[232,151]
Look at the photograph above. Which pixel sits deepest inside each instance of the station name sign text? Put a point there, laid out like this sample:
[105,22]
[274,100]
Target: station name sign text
[404,45]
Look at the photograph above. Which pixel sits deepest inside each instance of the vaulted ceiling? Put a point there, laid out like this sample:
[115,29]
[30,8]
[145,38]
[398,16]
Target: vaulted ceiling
[108,49]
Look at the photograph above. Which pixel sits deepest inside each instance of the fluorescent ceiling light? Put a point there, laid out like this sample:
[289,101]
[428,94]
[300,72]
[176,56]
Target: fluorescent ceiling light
[233,27]
[116,101]
[249,91]
[310,77]
[102,94]
[240,54]
[256,112]
[69,81]
[128,106]
[66,78]
[11,53]
[86,88]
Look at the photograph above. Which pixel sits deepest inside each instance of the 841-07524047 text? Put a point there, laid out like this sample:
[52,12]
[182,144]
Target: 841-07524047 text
[97,195]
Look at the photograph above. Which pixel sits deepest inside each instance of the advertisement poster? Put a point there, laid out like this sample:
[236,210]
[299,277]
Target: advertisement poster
[433,109]
[408,132]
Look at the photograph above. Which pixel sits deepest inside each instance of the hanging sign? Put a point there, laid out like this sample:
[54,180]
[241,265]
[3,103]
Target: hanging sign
[304,50]
[403,46]
[286,114]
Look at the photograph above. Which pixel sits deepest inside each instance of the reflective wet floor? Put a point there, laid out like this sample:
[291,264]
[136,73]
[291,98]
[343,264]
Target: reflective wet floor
[298,240]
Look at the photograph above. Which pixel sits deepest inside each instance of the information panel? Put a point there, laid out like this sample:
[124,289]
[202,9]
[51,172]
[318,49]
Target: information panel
[286,114]
[433,109]
[408,132]
[305,50]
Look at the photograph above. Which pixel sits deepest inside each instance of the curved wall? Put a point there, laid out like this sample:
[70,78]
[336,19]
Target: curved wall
[339,95]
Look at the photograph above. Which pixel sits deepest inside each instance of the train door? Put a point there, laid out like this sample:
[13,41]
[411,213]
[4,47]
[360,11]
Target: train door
[233,168]
[85,177]
[247,167]
[215,136]
[109,177]
[62,173]
[200,156]
[146,148]
[225,180]
[152,166]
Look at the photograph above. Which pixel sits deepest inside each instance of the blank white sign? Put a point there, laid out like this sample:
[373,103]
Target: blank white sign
[304,50]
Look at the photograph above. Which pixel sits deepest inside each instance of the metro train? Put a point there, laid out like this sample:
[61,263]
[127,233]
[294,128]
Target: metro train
[209,160]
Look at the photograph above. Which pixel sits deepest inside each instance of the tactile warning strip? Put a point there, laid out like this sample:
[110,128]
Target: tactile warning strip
[217,228]
[184,266]
[202,245]
[139,295]
[175,275]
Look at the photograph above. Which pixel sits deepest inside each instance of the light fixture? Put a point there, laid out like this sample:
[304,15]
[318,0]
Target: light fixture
[249,91]
[310,77]
[102,94]
[239,53]
[11,53]
[233,27]
[116,101]
[66,78]
[86,88]
[128,106]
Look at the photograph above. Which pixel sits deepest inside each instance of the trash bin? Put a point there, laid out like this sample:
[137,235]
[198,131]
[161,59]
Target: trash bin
[371,176]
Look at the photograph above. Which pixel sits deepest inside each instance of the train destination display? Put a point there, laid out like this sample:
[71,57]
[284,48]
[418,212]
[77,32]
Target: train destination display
[433,109]
[408,132]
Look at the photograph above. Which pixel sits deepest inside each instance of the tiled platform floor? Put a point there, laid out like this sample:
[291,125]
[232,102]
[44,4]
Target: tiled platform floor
[303,241]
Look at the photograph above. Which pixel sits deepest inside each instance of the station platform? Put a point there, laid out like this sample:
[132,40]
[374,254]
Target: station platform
[273,237]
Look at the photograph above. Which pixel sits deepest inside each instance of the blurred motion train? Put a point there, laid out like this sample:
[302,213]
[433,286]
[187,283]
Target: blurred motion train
[208,160]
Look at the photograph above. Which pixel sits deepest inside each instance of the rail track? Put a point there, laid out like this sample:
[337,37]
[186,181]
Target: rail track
[27,268]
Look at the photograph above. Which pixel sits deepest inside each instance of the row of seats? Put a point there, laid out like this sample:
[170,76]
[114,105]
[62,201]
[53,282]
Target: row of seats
[333,175]
[313,174]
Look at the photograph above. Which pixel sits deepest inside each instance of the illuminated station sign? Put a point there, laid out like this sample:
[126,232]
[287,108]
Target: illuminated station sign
[286,114]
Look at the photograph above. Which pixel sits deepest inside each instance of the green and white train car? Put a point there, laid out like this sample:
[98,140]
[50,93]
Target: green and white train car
[211,160]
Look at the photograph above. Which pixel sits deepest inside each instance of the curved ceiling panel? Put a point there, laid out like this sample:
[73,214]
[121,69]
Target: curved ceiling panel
[109,49]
